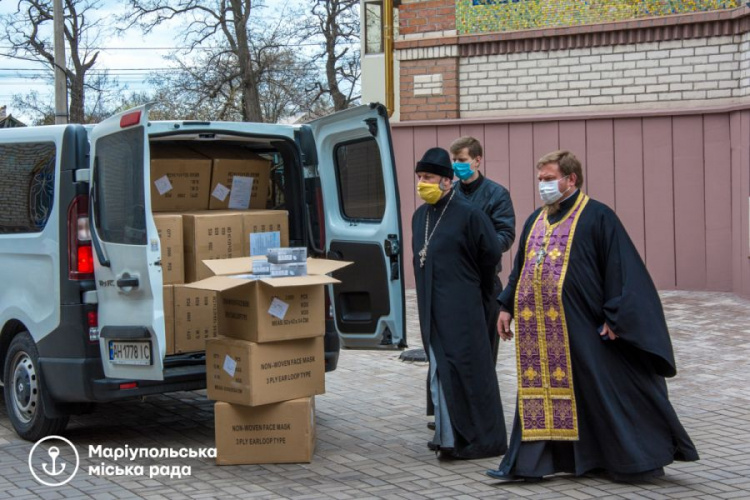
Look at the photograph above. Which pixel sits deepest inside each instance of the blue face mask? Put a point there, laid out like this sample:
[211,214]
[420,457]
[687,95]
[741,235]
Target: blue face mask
[463,170]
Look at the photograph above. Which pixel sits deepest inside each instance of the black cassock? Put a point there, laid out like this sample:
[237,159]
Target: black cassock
[627,426]
[454,293]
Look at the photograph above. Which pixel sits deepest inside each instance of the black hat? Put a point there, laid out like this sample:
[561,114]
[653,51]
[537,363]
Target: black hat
[436,161]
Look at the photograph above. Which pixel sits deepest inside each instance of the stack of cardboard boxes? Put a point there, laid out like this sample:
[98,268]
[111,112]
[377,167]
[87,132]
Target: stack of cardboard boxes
[269,362]
[263,337]
[207,204]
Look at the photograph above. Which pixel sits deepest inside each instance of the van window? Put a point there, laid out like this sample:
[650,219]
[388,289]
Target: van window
[27,186]
[360,179]
[120,206]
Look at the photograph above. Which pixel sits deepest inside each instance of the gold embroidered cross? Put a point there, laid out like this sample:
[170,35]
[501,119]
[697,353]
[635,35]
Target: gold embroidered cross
[526,314]
[552,314]
[555,254]
[530,373]
[558,374]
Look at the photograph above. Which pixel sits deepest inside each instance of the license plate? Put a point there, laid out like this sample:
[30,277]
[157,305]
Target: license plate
[130,353]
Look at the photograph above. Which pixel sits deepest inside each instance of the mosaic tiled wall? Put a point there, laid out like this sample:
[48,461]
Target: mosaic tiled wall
[482,16]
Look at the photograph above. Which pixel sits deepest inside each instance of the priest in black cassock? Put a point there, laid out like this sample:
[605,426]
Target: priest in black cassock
[455,254]
[592,345]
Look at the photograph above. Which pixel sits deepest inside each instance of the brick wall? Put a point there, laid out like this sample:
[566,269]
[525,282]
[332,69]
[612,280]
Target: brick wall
[440,76]
[675,70]
[422,17]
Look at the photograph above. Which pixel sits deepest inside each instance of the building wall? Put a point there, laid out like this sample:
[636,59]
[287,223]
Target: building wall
[652,72]
[657,108]
[679,182]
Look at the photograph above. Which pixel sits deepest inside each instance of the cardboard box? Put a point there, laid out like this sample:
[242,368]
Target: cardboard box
[209,235]
[252,374]
[196,318]
[169,318]
[270,309]
[169,227]
[271,434]
[264,221]
[230,162]
[188,178]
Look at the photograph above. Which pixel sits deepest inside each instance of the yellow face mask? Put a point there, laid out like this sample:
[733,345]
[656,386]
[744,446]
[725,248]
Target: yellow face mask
[430,193]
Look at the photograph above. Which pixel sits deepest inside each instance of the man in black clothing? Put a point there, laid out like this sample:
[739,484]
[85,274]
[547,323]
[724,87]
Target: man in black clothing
[455,252]
[592,345]
[494,200]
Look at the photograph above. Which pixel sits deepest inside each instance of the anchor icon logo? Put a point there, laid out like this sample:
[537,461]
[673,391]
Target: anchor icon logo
[54,452]
[52,463]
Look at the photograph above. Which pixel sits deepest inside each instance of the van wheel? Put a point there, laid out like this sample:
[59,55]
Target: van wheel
[23,391]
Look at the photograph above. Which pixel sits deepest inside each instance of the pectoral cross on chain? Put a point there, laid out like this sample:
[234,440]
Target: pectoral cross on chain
[540,256]
[422,256]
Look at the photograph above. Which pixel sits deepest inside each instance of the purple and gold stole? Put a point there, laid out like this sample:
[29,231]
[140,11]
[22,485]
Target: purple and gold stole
[546,401]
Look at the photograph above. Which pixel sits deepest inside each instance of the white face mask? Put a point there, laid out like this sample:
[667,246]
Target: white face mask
[549,191]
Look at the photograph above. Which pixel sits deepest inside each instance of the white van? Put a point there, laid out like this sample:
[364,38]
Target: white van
[80,261]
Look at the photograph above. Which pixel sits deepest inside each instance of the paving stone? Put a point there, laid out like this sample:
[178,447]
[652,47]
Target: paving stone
[372,431]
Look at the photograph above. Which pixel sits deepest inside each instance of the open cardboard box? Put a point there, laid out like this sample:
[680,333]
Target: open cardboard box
[269,309]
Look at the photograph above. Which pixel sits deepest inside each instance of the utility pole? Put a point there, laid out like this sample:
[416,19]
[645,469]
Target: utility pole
[61,86]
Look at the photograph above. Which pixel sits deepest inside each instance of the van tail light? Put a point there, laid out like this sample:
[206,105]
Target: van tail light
[80,254]
[92,319]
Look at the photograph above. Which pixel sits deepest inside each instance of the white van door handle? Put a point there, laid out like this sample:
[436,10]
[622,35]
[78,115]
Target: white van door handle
[128,281]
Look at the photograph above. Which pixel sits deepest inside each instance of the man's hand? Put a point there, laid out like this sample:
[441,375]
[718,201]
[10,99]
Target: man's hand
[503,326]
[607,331]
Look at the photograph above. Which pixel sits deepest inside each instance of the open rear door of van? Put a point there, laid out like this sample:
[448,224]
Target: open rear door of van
[362,224]
[126,249]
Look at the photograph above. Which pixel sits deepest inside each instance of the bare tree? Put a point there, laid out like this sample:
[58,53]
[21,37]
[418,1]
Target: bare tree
[210,21]
[334,25]
[28,32]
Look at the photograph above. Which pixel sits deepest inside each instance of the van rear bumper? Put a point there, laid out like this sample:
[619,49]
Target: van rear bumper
[74,380]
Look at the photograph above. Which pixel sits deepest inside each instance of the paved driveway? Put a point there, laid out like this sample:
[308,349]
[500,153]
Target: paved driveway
[372,435]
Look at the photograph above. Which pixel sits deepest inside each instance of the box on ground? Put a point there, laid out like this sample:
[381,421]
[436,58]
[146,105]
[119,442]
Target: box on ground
[169,227]
[196,320]
[270,434]
[180,179]
[270,309]
[257,222]
[169,318]
[248,373]
[209,235]
[229,163]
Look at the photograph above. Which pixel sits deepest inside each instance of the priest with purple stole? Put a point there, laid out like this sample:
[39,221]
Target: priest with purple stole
[592,345]
[455,254]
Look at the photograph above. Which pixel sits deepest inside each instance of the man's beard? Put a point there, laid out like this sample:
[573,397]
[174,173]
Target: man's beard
[553,208]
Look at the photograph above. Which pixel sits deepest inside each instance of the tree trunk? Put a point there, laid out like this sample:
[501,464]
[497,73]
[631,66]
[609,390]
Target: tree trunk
[76,98]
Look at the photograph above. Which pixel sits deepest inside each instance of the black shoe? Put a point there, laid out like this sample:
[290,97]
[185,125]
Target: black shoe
[431,426]
[500,476]
[448,454]
[432,446]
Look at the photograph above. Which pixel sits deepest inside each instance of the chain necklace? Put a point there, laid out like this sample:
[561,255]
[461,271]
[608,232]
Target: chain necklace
[427,238]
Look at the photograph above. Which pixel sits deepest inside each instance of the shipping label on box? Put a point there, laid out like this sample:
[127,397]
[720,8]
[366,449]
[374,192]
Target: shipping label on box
[261,222]
[248,373]
[169,318]
[196,318]
[209,235]
[270,434]
[180,179]
[169,227]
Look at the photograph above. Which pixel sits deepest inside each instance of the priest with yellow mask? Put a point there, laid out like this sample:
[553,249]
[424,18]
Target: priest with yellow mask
[455,254]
